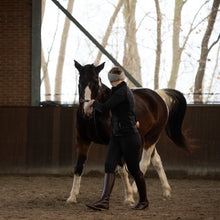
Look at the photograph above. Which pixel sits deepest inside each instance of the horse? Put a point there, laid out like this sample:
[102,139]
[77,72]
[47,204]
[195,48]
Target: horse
[155,110]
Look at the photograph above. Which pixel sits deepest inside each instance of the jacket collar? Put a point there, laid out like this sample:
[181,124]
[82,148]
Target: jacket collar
[122,84]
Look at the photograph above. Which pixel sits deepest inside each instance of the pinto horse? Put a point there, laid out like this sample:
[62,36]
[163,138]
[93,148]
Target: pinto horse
[154,110]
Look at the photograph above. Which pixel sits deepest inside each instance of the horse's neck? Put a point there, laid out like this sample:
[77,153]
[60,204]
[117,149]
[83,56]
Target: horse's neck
[105,94]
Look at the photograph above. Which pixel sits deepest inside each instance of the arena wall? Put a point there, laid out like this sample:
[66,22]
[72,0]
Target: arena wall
[43,140]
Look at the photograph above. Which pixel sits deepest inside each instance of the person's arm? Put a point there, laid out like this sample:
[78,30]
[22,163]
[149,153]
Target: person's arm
[114,100]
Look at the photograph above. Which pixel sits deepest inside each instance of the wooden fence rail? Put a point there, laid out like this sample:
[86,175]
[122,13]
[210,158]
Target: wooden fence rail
[42,140]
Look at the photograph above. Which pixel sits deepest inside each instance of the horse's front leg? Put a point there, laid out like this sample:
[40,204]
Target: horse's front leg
[82,151]
[129,200]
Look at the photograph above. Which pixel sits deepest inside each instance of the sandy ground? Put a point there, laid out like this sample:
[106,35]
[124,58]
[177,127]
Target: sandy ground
[43,197]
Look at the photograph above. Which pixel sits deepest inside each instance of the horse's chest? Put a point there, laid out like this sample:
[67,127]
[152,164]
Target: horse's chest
[97,131]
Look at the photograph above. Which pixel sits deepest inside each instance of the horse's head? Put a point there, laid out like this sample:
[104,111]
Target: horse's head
[89,85]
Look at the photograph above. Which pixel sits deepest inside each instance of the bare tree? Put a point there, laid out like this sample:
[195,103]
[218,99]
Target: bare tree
[131,59]
[109,29]
[213,74]
[158,51]
[198,97]
[59,71]
[177,50]
[45,77]
[45,61]
[44,64]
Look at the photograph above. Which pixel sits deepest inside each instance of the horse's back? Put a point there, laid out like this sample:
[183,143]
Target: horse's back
[151,111]
[150,98]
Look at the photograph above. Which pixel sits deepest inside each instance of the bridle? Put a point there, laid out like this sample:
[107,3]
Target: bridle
[83,100]
[93,115]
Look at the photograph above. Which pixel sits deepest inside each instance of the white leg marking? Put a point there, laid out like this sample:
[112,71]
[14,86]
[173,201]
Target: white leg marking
[157,163]
[88,110]
[145,160]
[75,189]
[144,163]
[129,200]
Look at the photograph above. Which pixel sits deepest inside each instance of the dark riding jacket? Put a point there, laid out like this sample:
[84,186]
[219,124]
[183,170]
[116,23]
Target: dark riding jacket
[121,104]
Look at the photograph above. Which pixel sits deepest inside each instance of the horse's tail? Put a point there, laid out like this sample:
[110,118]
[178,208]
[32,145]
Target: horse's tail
[176,104]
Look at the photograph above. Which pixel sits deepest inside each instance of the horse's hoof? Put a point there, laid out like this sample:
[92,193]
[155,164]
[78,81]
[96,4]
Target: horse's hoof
[167,194]
[71,200]
[129,202]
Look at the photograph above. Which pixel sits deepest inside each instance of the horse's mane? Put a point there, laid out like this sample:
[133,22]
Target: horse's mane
[106,93]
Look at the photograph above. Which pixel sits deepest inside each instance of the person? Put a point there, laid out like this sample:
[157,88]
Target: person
[125,140]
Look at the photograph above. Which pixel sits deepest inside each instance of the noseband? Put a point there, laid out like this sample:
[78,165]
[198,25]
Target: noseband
[84,100]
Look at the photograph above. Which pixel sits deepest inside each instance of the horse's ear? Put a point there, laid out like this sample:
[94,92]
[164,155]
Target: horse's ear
[77,65]
[100,67]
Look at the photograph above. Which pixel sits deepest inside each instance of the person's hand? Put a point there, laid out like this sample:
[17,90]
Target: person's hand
[91,102]
[137,124]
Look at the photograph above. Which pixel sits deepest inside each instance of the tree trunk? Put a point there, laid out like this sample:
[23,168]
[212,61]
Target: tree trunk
[59,71]
[131,59]
[177,51]
[198,98]
[108,31]
[213,74]
[45,77]
[158,51]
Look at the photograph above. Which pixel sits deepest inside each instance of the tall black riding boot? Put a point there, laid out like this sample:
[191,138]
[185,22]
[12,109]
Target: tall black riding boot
[141,186]
[103,203]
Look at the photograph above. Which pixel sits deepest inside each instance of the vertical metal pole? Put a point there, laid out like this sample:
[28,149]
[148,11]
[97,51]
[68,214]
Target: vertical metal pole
[36,52]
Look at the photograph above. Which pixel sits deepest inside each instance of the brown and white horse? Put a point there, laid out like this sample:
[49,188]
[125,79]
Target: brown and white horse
[155,111]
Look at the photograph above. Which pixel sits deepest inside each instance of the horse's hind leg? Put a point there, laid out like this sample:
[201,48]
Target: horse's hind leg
[144,163]
[129,200]
[81,158]
[157,163]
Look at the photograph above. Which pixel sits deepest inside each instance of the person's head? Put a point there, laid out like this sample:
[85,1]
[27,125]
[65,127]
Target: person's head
[116,75]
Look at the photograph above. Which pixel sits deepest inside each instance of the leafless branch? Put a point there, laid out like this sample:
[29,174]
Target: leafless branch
[215,42]
[192,28]
[51,47]
[142,20]
[108,30]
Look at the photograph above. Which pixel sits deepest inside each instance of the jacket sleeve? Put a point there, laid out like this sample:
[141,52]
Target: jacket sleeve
[114,100]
